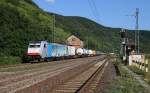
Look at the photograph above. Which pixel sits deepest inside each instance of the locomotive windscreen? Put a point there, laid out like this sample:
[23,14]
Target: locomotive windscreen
[34,46]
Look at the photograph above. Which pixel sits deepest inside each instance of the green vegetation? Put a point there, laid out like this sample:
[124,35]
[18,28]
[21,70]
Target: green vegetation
[125,84]
[22,21]
[147,77]
[141,72]
[136,70]
[8,60]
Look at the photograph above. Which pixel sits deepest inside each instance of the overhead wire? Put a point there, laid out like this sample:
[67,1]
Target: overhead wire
[96,14]
[94,9]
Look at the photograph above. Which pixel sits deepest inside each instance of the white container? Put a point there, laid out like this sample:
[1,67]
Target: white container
[90,52]
[71,51]
[86,52]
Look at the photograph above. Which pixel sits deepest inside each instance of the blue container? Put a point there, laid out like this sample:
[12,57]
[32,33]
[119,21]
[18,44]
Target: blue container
[49,50]
[57,50]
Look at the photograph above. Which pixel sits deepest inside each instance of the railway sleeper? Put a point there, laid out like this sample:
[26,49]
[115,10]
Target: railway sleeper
[47,85]
[75,85]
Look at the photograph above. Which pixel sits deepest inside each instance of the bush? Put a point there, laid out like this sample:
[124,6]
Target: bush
[15,2]
[9,60]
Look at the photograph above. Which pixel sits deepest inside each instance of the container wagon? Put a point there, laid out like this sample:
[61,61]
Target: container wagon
[44,51]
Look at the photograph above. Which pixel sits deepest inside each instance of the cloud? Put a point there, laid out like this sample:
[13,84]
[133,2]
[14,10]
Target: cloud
[50,1]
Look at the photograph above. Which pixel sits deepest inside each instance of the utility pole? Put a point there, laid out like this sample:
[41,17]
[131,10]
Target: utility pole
[95,45]
[88,42]
[137,29]
[53,32]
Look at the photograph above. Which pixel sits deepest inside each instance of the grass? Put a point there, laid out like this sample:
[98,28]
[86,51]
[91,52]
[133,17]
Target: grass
[147,77]
[140,72]
[125,84]
[136,70]
[8,60]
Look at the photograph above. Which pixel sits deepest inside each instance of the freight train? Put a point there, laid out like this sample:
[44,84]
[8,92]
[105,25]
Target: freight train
[45,51]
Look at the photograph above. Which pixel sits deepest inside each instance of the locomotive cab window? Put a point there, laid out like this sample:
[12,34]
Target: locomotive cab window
[34,46]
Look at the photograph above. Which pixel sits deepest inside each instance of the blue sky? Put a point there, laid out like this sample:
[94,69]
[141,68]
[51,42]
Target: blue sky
[112,13]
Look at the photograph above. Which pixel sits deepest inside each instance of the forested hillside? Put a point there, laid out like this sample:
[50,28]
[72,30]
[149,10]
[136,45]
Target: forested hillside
[22,21]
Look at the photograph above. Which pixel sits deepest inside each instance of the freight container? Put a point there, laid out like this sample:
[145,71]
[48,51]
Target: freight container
[86,52]
[56,50]
[49,50]
[71,51]
[93,52]
[89,52]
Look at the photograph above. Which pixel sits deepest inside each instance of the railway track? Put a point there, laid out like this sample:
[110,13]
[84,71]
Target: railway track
[86,82]
[23,69]
[46,79]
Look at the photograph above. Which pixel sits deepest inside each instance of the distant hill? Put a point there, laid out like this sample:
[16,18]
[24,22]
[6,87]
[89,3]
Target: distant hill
[22,21]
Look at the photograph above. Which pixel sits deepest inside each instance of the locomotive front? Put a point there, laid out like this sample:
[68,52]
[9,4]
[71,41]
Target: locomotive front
[34,50]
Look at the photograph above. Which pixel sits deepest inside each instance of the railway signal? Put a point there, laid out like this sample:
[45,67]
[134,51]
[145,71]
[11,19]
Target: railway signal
[127,46]
[123,44]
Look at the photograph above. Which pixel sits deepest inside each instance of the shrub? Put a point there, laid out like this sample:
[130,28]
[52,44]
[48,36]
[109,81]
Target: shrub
[9,60]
